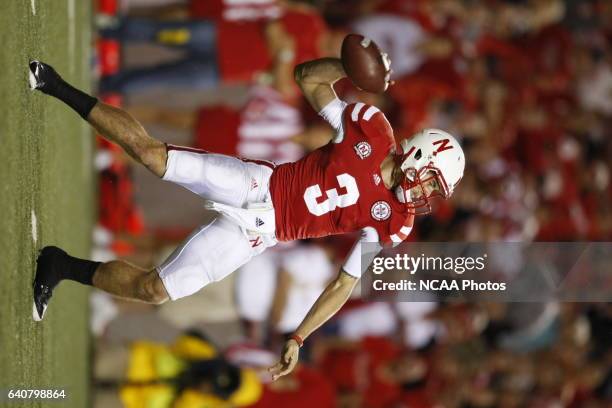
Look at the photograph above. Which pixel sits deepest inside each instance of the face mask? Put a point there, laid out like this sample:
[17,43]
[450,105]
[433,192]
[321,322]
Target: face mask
[402,195]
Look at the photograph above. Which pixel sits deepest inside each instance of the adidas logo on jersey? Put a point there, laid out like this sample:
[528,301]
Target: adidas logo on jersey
[258,222]
[376,178]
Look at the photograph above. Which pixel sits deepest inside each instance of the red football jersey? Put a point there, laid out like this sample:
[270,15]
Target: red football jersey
[338,188]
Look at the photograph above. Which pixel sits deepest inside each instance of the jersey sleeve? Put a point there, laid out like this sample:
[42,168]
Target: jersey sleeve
[332,113]
[398,231]
[360,252]
[373,124]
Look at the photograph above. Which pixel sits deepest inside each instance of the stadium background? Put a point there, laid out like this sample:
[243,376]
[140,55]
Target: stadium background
[526,84]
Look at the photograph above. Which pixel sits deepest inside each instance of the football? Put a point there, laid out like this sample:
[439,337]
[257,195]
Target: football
[365,64]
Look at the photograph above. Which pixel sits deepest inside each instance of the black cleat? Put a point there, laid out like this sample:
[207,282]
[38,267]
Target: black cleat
[42,76]
[47,278]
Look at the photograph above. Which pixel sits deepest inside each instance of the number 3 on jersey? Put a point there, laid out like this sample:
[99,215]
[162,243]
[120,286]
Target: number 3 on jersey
[333,198]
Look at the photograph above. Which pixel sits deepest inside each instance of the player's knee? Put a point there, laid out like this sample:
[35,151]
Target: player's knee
[152,290]
[154,158]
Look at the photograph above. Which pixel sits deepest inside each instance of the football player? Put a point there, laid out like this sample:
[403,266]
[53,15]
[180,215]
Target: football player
[360,181]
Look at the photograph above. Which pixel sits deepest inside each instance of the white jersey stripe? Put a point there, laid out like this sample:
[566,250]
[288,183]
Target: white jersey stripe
[396,238]
[356,110]
[405,230]
[370,112]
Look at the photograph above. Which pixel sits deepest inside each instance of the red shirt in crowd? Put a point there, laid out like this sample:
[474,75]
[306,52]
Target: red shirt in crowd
[261,129]
[243,50]
[235,10]
[309,389]
[357,370]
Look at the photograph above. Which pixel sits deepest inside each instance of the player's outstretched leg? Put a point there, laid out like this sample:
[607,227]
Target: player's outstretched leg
[118,278]
[44,78]
[113,123]
[53,265]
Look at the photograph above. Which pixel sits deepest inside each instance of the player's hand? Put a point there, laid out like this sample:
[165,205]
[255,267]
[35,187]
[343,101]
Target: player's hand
[387,62]
[288,360]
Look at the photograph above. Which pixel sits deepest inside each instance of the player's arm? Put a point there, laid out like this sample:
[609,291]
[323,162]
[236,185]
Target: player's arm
[333,297]
[316,79]
[279,302]
[329,302]
[282,48]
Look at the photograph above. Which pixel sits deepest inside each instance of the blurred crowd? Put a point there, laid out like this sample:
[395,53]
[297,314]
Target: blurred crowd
[526,85]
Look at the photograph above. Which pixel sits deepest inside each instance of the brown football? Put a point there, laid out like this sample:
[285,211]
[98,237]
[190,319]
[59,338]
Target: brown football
[364,64]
